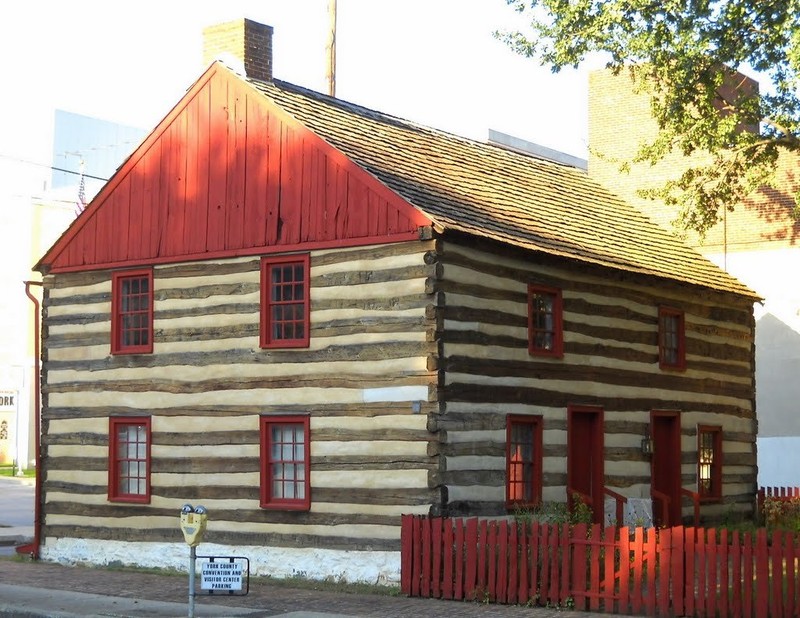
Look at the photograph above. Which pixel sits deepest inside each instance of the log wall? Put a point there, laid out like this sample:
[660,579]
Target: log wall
[442,323]
[207,382]
[610,360]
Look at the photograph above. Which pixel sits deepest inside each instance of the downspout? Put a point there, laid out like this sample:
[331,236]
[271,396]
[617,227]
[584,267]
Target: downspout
[33,548]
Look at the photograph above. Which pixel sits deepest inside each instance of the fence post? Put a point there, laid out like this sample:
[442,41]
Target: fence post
[406,549]
[664,554]
[777,573]
[678,561]
[579,566]
[792,604]
[425,588]
[458,571]
[436,541]
[762,579]
[472,559]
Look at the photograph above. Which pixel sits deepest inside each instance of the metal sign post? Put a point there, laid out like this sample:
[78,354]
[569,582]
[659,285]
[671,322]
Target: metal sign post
[193,526]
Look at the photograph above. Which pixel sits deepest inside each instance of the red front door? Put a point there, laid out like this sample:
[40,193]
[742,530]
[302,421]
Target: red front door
[585,462]
[666,468]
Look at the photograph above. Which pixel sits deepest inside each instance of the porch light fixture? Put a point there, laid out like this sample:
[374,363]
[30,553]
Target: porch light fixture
[647,443]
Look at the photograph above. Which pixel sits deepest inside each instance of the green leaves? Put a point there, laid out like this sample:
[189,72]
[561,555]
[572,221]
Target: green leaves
[686,55]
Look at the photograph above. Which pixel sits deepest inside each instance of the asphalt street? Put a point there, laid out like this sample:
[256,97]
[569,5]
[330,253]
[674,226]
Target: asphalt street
[16,512]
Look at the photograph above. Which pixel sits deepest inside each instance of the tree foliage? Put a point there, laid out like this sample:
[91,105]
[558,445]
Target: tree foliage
[686,55]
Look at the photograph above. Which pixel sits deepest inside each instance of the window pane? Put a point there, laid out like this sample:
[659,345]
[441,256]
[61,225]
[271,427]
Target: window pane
[670,336]
[287,302]
[521,466]
[707,463]
[286,465]
[543,341]
[133,311]
[543,321]
[130,460]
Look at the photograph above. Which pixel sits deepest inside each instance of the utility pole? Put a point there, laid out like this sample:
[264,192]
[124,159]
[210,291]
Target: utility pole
[331,47]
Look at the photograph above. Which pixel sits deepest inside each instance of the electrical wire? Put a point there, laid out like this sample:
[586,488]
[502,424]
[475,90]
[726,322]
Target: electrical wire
[52,167]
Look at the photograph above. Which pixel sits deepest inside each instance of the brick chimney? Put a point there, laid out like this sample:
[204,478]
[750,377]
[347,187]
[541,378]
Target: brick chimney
[244,41]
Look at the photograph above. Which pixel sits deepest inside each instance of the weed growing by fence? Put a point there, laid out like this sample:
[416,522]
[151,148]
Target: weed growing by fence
[554,513]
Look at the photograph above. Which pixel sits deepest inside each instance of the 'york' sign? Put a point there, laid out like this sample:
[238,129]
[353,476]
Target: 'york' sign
[8,401]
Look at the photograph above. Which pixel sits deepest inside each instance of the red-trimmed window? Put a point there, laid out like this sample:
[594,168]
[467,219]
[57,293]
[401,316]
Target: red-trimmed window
[545,324]
[671,338]
[285,457]
[523,460]
[129,459]
[132,312]
[709,462]
[285,301]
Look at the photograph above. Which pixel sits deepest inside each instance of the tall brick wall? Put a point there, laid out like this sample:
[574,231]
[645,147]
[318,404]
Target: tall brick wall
[620,120]
[247,41]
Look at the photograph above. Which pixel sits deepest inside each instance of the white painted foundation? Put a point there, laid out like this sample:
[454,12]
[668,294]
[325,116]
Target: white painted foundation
[373,567]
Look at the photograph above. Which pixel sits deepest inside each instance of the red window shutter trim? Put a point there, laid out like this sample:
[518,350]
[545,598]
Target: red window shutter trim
[118,345]
[114,492]
[556,350]
[671,354]
[515,463]
[715,472]
[268,500]
[267,337]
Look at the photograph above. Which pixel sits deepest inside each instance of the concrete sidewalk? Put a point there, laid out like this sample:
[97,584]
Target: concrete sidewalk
[38,589]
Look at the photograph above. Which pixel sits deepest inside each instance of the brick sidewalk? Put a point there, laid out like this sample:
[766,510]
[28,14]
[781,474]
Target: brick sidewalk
[270,599]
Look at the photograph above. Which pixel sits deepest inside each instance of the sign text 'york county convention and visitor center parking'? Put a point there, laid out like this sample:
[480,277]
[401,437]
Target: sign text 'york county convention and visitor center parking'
[224,575]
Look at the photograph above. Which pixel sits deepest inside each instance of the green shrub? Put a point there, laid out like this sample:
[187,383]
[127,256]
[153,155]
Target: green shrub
[554,513]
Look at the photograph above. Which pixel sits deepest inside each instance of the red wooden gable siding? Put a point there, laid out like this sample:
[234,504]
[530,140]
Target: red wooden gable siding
[229,173]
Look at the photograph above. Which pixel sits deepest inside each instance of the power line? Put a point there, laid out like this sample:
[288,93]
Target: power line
[52,167]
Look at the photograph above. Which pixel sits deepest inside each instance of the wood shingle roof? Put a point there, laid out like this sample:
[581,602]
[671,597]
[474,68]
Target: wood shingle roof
[489,191]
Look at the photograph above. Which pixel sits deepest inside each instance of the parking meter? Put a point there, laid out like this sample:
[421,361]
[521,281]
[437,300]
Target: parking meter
[193,524]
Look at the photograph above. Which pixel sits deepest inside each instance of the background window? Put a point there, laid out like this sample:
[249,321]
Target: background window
[709,461]
[132,312]
[129,459]
[523,460]
[285,301]
[671,339]
[545,337]
[285,482]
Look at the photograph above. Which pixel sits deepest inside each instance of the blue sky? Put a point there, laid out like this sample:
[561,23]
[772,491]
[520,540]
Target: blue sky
[431,61]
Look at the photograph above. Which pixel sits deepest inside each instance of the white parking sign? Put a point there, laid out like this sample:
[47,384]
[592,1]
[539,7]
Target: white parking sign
[224,575]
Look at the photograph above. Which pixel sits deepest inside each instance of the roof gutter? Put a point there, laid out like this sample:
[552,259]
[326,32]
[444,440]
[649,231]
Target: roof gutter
[33,548]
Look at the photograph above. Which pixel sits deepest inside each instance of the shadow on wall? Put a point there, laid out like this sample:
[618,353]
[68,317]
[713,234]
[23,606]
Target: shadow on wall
[777,384]
[774,205]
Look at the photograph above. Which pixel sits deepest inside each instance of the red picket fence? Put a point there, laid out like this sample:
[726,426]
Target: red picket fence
[667,572]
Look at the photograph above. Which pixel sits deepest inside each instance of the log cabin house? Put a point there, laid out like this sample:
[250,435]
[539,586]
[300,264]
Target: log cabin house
[312,317]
